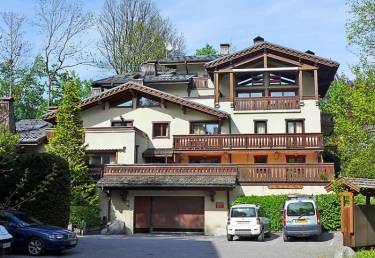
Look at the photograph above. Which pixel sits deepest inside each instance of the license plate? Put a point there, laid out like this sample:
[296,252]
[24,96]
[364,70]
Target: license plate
[73,242]
[6,245]
[301,221]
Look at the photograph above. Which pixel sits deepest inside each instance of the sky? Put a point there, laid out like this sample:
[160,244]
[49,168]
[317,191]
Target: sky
[317,25]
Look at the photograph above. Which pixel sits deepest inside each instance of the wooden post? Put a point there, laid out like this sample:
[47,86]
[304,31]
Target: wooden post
[300,84]
[316,94]
[217,91]
[266,75]
[231,88]
[134,100]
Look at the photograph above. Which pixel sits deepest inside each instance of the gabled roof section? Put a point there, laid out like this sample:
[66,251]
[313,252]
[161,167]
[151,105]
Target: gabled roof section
[32,131]
[267,45]
[358,185]
[131,86]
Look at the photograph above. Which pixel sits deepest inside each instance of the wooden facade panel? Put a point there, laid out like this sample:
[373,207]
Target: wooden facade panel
[142,214]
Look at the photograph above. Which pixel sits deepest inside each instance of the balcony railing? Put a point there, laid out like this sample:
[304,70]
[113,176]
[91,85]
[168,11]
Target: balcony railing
[171,169]
[286,173]
[248,141]
[266,103]
[96,172]
[200,82]
[247,173]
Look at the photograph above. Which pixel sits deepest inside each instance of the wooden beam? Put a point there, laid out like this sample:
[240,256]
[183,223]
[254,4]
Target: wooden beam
[216,89]
[283,59]
[316,89]
[231,88]
[300,84]
[271,69]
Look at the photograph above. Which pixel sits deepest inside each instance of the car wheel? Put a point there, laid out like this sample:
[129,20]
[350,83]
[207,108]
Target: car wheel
[229,237]
[35,246]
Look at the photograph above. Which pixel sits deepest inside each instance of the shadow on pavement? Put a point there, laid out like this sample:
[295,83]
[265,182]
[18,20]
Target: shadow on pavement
[324,237]
[266,239]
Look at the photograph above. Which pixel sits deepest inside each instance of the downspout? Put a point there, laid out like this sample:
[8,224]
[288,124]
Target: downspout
[109,206]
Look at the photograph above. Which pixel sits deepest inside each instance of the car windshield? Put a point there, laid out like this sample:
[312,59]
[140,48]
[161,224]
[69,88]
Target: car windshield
[243,212]
[301,209]
[26,219]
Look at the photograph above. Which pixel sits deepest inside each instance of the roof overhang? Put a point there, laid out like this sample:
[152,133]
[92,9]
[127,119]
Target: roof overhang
[130,87]
[365,186]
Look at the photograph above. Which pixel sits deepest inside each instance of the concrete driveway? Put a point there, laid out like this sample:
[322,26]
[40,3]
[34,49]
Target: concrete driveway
[161,246]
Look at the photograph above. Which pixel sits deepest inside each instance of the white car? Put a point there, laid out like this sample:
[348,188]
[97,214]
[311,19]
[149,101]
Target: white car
[5,240]
[301,218]
[245,220]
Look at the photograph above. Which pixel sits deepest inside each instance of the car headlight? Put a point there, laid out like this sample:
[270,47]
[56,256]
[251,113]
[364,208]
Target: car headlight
[56,236]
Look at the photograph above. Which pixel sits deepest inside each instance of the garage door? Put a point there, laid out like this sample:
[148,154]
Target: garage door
[169,214]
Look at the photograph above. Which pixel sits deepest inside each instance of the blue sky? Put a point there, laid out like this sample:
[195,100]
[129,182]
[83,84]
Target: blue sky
[317,25]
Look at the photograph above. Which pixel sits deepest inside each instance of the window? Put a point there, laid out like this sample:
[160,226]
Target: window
[204,159]
[146,102]
[122,123]
[295,159]
[283,93]
[99,159]
[300,209]
[204,127]
[295,126]
[260,127]
[253,94]
[260,159]
[245,212]
[123,104]
[160,130]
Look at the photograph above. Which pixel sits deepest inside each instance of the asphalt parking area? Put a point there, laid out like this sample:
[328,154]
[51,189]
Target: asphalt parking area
[162,246]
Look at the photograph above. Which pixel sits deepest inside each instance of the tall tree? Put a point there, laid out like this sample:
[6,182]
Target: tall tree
[353,107]
[13,47]
[207,50]
[132,31]
[63,23]
[67,139]
[360,27]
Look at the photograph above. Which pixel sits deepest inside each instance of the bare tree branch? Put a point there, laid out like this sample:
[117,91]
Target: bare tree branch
[63,22]
[133,31]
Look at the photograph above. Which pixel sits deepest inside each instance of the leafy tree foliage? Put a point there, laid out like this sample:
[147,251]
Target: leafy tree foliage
[207,50]
[360,27]
[67,139]
[8,141]
[353,107]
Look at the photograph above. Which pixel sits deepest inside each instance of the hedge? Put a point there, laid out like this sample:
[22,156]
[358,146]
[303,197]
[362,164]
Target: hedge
[366,253]
[272,205]
[51,206]
[84,216]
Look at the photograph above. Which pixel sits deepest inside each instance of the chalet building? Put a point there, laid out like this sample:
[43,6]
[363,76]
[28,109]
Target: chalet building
[172,145]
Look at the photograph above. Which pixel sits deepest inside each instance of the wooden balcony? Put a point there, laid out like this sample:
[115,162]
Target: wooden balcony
[247,141]
[96,172]
[156,169]
[246,173]
[266,103]
[289,173]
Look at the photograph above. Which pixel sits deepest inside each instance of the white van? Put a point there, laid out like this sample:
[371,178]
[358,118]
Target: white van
[245,220]
[301,218]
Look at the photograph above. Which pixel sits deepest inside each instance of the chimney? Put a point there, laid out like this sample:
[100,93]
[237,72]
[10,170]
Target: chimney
[150,67]
[310,52]
[7,113]
[224,49]
[258,40]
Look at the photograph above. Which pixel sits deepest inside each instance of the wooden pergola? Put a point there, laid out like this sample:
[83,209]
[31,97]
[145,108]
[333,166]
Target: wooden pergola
[357,221]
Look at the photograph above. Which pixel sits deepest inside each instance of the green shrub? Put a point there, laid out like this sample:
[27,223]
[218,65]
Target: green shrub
[50,206]
[271,206]
[330,211]
[84,216]
[366,253]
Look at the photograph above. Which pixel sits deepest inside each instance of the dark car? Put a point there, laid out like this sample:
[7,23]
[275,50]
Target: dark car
[31,235]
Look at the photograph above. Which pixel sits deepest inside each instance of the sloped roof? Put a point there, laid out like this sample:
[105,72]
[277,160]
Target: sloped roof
[359,185]
[272,46]
[106,95]
[188,59]
[32,131]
